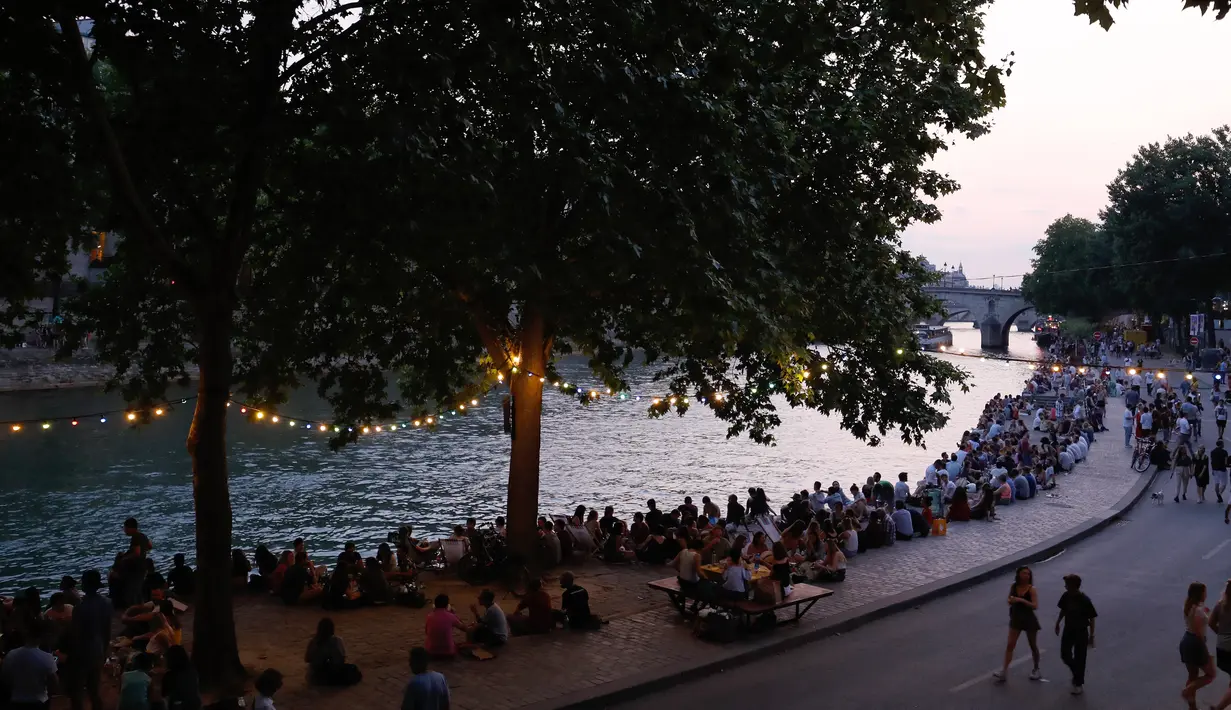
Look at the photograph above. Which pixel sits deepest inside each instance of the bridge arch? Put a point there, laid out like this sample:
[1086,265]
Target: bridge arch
[1004,331]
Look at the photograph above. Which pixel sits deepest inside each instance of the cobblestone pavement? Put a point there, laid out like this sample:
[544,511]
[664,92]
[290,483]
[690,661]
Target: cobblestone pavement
[536,669]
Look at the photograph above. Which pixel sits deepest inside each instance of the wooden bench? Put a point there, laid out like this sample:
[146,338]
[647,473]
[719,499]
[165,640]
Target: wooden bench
[802,598]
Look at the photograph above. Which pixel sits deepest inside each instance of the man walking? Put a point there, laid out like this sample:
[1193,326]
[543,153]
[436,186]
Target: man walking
[1077,612]
[1218,465]
[1220,418]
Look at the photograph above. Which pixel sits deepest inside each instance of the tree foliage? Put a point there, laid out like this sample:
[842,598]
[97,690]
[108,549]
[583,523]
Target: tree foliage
[461,192]
[1170,207]
[717,185]
[1072,272]
[1100,10]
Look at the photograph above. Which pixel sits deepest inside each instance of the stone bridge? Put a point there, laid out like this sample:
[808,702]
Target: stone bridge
[993,310]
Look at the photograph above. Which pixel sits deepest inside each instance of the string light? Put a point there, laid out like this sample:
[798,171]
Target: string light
[158,412]
[274,419]
[46,425]
[260,415]
[132,416]
[16,427]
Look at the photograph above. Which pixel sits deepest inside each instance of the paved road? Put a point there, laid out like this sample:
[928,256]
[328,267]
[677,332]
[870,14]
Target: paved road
[940,655]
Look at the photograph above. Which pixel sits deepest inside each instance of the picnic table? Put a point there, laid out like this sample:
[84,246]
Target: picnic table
[802,598]
[714,572]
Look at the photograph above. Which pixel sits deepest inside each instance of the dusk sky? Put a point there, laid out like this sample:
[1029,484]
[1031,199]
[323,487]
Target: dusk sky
[1080,103]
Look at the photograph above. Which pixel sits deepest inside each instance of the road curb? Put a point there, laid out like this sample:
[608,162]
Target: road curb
[641,684]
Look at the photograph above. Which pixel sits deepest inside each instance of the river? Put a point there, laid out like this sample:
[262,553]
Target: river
[67,490]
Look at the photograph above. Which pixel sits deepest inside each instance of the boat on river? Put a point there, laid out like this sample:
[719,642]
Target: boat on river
[932,337]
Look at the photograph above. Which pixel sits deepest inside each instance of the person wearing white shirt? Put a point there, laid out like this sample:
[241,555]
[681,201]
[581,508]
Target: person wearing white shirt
[816,499]
[1128,427]
[994,430]
[930,473]
[1136,381]
[1185,430]
[954,467]
[1079,413]
[961,456]
[1066,461]
[901,489]
[948,487]
[1083,448]
[1147,422]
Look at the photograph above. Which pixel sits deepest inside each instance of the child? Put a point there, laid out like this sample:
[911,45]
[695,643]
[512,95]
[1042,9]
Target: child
[266,685]
[1077,612]
[135,684]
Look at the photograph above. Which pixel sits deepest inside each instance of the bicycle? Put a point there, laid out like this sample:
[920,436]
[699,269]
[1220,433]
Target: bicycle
[1141,454]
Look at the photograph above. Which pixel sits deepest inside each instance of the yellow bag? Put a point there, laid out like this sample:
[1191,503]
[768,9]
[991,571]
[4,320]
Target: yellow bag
[940,526]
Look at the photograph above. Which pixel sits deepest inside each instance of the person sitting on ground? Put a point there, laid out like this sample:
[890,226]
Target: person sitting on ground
[490,627]
[265,561]
[438,629]
[68,586]
[350,558]
[386,559]
[655,550]
[326,658]
[758,548]
[165,631]
[710,509]
[343,589]
[550,551]
[136,688]
[153,580]
[181,578]
[373,586]
[1004,491]
[240,569]
[653,516]
[59,612]
[985,507]
[1021,487]
[639,531]
[595,527]
[902,521]
[574,610]
[426,690]
[688,566]
[618,547]
[141,618]
[537,605]
[735,578]
[181,688]
[299,584]
[833,569]
[688,510]
[608,520]
[959,506]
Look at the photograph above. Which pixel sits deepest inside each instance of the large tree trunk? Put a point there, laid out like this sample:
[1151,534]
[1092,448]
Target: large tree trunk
[527,423]
[215,650]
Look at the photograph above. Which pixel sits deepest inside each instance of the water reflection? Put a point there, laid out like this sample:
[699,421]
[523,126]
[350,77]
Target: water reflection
[66,493]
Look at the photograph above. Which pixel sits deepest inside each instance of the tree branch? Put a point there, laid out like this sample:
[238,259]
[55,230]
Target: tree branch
[271,31]
[311,24]
[320,49]
[117,164]
[487,334]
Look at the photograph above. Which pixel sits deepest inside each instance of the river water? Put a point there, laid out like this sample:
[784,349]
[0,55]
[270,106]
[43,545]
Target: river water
[65,491]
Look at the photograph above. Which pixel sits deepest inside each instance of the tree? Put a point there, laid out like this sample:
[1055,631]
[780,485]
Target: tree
[1072,272]
[718,185]
[42,211]
[1100,10]
[1169,218]
[194,113]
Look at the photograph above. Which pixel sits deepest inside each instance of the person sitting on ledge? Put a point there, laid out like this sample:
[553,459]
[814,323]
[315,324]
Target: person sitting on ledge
[240,569]
[182,578]
[757,548]
[985,506]
[299,584]
[326,658]
[618,547]
[833,569]
[959,505]
[656,550]
[735,578]
[902,521]
[373,586]
[343,589]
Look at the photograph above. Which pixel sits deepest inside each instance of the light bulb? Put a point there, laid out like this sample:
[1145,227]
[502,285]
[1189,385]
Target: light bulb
[900,351]
[102,420]
[260,415]
[46,425]
[474,402]
[323,427]
[430,420]
[74,422]
[16,427]
[131,416]
[461,406]
[158,412]
[366,430]
[275,419]
[291,423]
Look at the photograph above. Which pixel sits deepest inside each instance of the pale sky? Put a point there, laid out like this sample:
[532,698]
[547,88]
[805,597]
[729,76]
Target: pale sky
[1079,104]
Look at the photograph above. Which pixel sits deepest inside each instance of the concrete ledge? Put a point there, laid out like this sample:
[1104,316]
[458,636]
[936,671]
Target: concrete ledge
[649,682]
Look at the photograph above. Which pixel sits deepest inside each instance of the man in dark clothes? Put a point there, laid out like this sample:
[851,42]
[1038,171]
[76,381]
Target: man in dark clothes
[1077,612]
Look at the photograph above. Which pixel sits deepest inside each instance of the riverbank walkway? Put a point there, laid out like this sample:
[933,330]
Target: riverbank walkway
[645,634]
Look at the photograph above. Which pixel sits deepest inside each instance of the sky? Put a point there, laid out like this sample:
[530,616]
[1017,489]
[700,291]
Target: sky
[1079,104]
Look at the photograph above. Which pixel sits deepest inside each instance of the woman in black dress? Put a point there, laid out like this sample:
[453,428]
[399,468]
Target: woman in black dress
[1023,601]
[1201,473]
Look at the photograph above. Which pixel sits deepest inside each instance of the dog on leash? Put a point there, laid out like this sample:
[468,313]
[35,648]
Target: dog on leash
[1158,498]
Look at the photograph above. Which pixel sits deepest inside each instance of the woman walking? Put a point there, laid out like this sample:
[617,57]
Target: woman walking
[1182,469]
[1201,472]
[1220,624]
[1023,601]
[1193,652]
